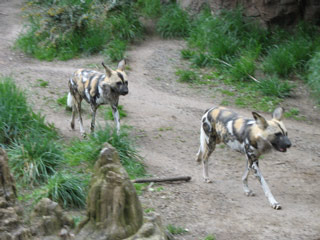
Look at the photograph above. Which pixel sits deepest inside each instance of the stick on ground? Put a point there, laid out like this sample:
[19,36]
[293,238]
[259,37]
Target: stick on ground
[169,179]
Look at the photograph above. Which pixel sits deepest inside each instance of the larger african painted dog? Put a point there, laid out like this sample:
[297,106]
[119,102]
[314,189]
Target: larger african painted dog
[97,89]
[252,137]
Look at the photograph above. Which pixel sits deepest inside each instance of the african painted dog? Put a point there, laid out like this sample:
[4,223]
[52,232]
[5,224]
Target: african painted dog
[97,89]
[252,137]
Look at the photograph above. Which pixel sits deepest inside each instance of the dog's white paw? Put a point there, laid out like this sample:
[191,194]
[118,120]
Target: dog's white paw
[250,193]
[276,206]
[207,180]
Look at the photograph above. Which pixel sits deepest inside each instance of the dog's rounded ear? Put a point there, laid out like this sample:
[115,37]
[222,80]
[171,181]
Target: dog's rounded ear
[278,113]
[261,121]
[108,70]
[121,65]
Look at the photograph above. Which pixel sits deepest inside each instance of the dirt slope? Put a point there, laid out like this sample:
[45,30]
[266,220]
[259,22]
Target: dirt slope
[166,117]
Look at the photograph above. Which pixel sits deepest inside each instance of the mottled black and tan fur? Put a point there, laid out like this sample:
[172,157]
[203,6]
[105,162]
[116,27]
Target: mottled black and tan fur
[97,89]
[252,137]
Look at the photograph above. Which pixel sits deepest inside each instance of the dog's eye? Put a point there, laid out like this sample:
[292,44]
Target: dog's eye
[126,82]
[278,134]
[119,83]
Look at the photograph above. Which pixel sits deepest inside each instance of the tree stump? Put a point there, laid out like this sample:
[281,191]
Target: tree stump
[113,208]
[10,222]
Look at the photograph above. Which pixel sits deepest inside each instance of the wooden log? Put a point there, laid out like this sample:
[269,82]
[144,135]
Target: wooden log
[168,179]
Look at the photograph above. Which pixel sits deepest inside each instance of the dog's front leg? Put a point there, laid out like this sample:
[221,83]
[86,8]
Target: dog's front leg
[116,117]
[246,188]
[93,120]
[274,204]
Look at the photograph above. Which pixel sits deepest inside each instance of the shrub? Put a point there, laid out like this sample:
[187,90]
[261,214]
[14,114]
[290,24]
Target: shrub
[313,75]
[67,28]
[174,22]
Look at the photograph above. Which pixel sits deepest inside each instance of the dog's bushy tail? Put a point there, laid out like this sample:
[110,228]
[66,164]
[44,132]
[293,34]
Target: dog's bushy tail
[70,100]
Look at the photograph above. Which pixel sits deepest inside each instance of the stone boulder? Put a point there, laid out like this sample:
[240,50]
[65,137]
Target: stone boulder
[11,227]
[49,219]
[267,12]
[113,207]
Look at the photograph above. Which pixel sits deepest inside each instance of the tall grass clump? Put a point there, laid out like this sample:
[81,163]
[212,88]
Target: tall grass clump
[68,28]
[313,75]
[150,8]
[34,158]
[174,22]
[86,152]
[273,86]
[16,117]
[68,189]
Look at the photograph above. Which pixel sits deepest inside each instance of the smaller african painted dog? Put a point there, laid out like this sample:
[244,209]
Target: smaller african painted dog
[252,137]
[97,89]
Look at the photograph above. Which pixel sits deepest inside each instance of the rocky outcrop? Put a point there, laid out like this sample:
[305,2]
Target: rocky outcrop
[268,12]
[48,219]
[11,227]
[113,208]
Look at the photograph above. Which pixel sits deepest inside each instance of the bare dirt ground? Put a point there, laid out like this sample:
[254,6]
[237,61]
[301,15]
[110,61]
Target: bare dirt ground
[166,116]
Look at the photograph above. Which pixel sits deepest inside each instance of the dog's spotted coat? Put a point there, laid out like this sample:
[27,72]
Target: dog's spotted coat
[252,137]
[97,89]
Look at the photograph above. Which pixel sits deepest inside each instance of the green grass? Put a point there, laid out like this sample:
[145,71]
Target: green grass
[210,237]
[109,114]
[34,158]
[150,8]
[42,83]
[176,230]
[273,86]
[16,117]
[313,76]
[187,76]
[174,22]
[86,152]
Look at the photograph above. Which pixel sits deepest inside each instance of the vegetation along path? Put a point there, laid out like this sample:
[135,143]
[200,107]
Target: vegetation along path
[165,116]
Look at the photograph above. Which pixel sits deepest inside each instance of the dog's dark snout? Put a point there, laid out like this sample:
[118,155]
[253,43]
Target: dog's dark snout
[288,143]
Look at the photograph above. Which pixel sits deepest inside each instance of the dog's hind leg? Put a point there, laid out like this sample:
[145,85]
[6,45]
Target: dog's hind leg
[207,146]
[274,204]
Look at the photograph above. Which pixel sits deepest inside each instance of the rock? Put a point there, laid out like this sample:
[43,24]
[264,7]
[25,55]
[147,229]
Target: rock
[113,207]
[267,12]
[48,218]
[11,227]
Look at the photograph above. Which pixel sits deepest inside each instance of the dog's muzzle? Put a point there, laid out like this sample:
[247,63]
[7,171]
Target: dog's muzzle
[281,143]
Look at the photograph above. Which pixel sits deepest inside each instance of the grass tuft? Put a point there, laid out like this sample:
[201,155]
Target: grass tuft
[174,23]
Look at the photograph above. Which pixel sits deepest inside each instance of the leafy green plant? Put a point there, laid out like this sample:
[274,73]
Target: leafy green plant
[187,53]
[176,230]
[174,22]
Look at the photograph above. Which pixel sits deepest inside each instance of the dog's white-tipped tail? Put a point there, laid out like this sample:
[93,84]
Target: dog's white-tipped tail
[70,100]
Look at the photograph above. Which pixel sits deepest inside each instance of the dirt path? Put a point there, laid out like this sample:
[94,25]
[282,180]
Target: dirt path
[166,117]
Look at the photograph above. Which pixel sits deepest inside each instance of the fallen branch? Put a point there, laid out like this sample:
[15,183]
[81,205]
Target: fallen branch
[169,179]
